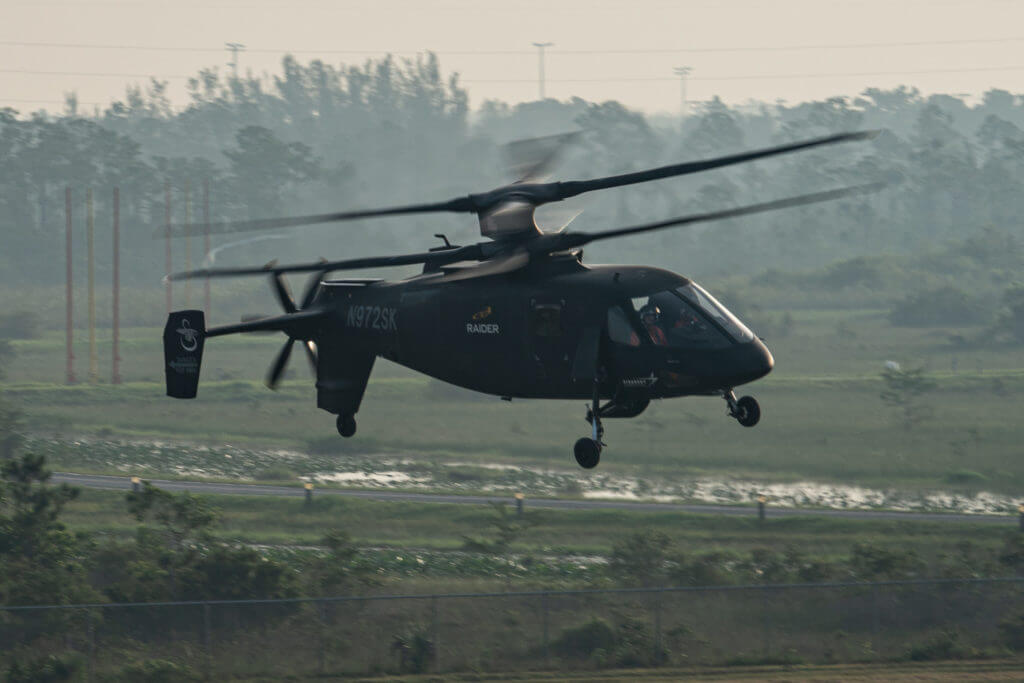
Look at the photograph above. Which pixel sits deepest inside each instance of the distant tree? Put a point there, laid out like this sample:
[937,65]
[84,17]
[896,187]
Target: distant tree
[1011,320]
[904,390]
[342,571]
[41,562]
[641,559]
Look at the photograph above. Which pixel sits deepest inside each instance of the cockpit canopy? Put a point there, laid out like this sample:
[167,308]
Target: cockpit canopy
[683,317]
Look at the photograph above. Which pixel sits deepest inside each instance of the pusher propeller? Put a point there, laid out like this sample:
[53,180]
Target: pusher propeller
[284,296]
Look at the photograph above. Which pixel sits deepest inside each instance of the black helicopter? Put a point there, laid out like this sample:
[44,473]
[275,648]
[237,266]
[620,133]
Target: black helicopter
[518,316]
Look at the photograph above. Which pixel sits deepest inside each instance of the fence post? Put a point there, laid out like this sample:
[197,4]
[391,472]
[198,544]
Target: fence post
[874,615]
[322,613]
[656,659]
[544,610]
[765,626]
[207,644]
[92,646]
[436,633]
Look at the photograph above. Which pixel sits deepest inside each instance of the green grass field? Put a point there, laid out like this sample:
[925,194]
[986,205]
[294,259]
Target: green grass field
[822,416]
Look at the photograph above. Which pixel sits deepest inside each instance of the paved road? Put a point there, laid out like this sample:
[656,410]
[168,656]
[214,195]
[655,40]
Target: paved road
[99,481]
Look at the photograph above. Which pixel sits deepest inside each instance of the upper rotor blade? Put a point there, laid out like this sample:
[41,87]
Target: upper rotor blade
[446,256]
[574,187]
[457,205]
[557,241]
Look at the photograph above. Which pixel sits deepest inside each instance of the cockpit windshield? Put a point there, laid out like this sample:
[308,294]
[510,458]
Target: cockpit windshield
[719,313]
[687,317]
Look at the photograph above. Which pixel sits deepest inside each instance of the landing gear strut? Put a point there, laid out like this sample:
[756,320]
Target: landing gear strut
[588,450]
[746,410]
[346,425]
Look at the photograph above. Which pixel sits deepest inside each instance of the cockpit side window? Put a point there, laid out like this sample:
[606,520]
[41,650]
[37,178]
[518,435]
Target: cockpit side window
[669,320]
[620,330]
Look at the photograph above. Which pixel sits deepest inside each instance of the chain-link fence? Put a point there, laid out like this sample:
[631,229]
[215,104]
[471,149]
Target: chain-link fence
[518,631]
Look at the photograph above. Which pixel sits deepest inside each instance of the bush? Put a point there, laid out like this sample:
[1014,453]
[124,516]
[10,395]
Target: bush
[1012,629]
[157,671]
[945,645]
[584,640]
[944,306]
[47,669]
[19,325]
[415,651]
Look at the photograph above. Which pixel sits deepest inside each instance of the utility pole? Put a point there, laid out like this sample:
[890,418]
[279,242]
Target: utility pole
[682,72]
[115,375]
[91,286]
[70,376]
[234,49]
[540,66]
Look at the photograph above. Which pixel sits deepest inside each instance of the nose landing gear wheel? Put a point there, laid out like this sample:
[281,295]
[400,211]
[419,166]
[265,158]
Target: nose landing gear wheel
[346,425]
[748,412]
[587,452]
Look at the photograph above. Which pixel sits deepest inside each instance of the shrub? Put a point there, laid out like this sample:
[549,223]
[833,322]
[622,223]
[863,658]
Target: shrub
[584,640]
[19,325]
[157,671]
[1012,629]
[945,306]
[49,669]
[944,645]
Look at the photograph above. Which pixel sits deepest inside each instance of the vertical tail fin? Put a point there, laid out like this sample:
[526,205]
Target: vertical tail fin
[183,352]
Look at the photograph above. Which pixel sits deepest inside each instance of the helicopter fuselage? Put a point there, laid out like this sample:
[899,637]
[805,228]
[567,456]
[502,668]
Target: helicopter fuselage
[557,330]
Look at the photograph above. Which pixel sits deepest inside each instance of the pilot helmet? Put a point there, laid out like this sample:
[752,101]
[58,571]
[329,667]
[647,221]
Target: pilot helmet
[650,313]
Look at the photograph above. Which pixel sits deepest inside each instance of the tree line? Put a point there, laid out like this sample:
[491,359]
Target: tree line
[318,137]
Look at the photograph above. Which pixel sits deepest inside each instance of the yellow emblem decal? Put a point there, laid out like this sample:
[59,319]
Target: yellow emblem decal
[483,314]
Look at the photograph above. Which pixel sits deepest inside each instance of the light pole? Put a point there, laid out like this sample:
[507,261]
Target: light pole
[682,72]
[234,48]
[540,66]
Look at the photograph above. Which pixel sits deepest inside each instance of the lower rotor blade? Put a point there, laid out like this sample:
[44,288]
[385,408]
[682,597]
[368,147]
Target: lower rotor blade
[503,264]
[277,369]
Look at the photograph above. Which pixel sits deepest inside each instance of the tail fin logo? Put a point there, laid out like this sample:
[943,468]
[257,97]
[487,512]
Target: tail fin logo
[189,336]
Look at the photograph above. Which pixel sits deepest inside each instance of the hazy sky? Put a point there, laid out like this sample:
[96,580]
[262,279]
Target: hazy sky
[603,49]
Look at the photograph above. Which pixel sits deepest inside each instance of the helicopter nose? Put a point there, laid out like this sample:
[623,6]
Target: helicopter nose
[753,361]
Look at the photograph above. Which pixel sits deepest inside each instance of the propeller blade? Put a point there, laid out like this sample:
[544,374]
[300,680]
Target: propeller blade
[311,354]
[283,292]
[469,252]
[277,369]
[575,187]
[312,287]
[497,266]
[457,205]
[567,240]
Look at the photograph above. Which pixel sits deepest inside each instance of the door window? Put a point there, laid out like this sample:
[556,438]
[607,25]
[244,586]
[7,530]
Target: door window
[546,320]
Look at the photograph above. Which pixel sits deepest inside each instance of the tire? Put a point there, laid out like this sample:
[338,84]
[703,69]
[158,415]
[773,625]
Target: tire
[346,425]
[748,412]
[588,453]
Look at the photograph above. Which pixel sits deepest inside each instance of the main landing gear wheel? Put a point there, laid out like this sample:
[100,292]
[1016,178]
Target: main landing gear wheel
[346,425]
[587,452]
[746,410]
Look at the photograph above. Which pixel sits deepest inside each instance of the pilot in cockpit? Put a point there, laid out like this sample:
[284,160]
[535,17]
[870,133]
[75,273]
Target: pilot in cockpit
[651,317]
